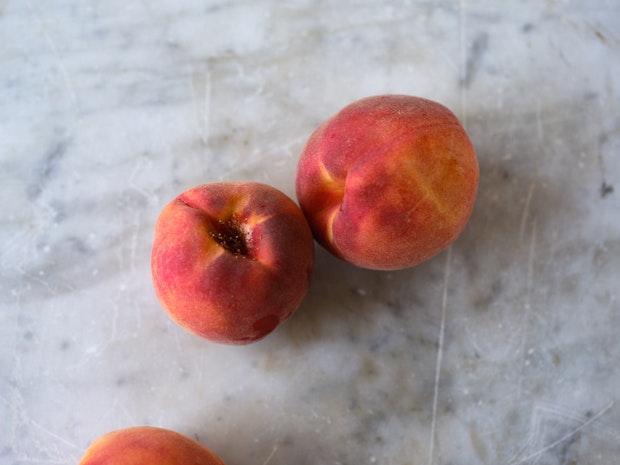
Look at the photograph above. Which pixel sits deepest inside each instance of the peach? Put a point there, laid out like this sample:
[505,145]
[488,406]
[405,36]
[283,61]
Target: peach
[388,182]
[230,261]
[146,445]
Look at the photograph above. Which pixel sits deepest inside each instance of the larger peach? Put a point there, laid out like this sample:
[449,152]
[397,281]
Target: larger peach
[230,261]
[145,445]
[388,182]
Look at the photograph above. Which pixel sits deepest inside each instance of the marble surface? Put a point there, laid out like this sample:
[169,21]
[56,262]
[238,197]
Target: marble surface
[503,350]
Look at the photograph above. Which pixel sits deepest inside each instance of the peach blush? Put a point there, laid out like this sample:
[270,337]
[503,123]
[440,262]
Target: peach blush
[230,261]
[146,445]
[388,182]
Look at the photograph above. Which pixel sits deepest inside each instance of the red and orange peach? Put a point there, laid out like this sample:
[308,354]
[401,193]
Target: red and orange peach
[388,182]
[146,445]
[230,261]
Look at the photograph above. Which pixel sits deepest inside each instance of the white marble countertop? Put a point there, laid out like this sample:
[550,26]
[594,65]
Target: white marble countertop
[503,351]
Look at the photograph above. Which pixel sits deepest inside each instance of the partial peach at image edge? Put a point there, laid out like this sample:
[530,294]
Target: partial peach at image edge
[147,444]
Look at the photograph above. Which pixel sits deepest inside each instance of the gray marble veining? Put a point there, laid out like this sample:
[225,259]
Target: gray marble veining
[503,350]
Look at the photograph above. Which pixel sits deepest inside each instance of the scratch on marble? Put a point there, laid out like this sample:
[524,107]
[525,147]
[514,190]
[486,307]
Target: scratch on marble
[572,415]
[447,59]
[53,290]
[539,125]
[463,64]
[16,404]
[132,419]
[442,328]
[177,341]
[134,241]
[16,240]
[527,305]
[463,95]
[566,437]
[132,180]
[202,103]
[530,439]
[535,430]
[558,411]
[526,211]
[90,352]
[472,339]
[273,452]
[70,86]
[54,435]
[138,313]
[113,320]
[206,107]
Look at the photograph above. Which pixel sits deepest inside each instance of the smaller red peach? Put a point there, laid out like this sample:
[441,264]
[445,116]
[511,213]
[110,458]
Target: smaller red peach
[230,261]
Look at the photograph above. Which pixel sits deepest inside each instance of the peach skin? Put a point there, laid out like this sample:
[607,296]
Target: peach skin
[146,445]
[230,261]
[388,182]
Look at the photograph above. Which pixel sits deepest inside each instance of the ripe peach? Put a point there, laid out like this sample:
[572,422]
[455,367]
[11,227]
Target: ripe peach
[230,261]
[146,445]
[388,182]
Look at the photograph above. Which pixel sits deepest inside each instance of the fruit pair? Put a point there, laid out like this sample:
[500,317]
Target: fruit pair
[386,183]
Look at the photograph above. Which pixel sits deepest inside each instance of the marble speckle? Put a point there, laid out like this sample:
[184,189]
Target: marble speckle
[527,27]
[46,168]
[606,189]
[474,57]
[108,109]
